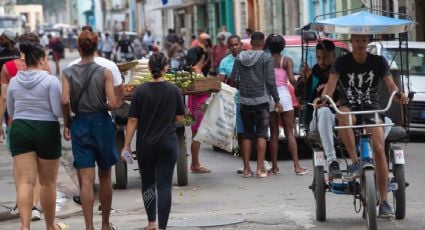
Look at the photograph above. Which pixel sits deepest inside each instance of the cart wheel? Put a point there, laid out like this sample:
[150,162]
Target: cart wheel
[182,169]
[121,179]
[400,193]
[369,186]
[319,191]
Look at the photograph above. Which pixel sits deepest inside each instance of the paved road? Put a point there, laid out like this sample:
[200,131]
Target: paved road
[225,200]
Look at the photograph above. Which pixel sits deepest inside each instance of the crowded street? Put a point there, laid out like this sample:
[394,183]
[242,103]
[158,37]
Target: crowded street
[212,114]
[222,199]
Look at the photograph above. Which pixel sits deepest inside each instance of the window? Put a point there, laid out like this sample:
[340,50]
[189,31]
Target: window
[416,60]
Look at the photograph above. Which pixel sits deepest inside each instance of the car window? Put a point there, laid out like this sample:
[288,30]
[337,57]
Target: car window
[372,49]
[416,59]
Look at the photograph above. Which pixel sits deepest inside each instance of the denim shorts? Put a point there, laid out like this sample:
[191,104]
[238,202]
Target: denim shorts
[93,141]
[239,123]
[255,120]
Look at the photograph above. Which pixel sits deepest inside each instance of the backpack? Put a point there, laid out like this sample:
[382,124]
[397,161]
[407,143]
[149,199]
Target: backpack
[11,67]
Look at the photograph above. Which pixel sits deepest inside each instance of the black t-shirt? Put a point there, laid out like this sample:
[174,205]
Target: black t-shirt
[361,79]
[7,55]
[155,105]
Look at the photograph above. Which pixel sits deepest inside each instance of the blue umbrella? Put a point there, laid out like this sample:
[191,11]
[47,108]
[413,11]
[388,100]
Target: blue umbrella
[363,22]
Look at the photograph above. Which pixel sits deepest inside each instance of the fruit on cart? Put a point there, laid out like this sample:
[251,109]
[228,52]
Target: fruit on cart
[181,79]
[188,120]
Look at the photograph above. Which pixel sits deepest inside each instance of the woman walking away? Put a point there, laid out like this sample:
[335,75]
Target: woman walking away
[87,87]
[33,100]
[9,70]
[155,107]
[283,68]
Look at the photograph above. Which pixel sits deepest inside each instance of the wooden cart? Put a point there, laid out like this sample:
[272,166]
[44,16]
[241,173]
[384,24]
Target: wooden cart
[121,175]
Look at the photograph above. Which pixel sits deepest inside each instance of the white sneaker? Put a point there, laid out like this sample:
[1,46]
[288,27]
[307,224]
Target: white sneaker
[36,214]
[14,211]
[240,170]
[266,166]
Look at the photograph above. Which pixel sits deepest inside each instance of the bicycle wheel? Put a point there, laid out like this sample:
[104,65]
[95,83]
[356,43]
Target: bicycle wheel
[400,193]
[182,168]
[121,177]
[319,193]
[370,198]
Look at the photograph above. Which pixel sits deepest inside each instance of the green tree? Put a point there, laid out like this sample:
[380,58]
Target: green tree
[48,5]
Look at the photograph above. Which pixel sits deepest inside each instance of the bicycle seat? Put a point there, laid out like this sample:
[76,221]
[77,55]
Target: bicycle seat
[397,133]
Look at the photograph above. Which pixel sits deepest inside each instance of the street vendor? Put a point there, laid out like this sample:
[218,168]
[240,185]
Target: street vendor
[195,59]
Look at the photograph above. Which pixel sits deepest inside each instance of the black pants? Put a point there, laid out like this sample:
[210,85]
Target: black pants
[157,170]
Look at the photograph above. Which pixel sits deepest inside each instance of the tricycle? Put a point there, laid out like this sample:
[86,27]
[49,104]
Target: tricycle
[363,188]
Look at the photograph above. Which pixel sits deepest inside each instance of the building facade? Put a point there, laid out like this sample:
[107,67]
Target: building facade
[33,14]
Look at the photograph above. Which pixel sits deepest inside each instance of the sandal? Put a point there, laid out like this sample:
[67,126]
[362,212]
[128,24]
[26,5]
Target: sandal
[200,169]
[62,226]
[112,226]
[247,175]
[262,175]
[304,172]
[275,171]
[149,228]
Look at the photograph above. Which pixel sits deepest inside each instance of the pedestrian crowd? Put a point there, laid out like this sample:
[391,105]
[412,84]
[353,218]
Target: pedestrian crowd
[33,101]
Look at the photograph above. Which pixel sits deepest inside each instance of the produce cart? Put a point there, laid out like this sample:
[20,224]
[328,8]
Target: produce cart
[189,83]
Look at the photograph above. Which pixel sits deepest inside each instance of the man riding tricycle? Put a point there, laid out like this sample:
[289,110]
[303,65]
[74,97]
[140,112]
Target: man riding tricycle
[360,124]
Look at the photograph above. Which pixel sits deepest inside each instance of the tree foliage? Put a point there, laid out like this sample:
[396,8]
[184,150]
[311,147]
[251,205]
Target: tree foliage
[48,5]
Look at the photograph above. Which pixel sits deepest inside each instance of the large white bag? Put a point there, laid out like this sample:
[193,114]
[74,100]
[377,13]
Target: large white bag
[217,128]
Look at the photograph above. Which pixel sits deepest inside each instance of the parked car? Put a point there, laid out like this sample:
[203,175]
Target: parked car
[294,51]
[415,67]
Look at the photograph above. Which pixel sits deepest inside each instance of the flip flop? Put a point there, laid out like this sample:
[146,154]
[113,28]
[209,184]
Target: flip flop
[304,172]
[262,175]
[200,169]
[62,226]
[275,171]
[112,226]
[247,175]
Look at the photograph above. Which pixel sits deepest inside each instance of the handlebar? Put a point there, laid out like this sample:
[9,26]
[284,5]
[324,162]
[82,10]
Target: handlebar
[350,118]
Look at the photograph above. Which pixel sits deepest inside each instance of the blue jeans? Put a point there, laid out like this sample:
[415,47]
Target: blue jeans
[323,122]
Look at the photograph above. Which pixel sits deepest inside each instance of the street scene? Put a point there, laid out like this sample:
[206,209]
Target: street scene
[212,114]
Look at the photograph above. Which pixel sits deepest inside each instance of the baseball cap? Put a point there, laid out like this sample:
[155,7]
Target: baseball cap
[9,35]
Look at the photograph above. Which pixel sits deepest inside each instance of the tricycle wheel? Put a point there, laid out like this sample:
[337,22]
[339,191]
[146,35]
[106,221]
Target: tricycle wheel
[121,178]
[319,190]
[400,193]
[370,198]
[182,169]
